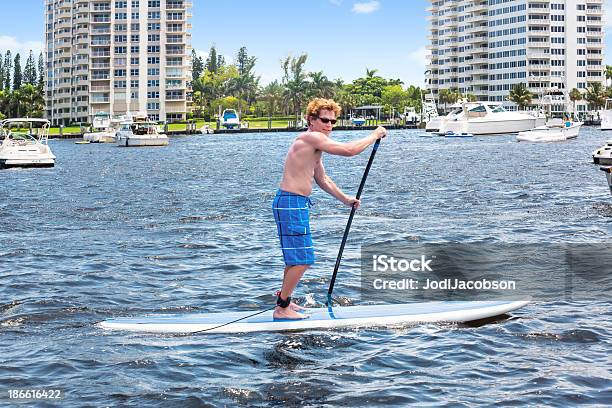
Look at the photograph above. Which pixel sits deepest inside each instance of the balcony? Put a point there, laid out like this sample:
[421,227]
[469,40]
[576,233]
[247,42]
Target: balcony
[100,100]
[539,78]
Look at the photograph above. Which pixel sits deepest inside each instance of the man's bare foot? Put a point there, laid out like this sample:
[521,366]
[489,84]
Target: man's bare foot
[287,313]
[295,307]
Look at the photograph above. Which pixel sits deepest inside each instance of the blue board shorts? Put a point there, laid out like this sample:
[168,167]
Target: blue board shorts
[292,216]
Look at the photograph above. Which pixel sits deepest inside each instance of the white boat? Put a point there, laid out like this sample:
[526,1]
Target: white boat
[606,116]
[554,131]
[429,111]
[608,170]
[103,130]
[206,130]
[489,118]
[25,143]
[229,119]
[140,132]
[410,115]
[358,120]
[603,155]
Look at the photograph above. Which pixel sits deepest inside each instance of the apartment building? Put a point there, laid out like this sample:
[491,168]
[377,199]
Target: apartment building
[486,47]
[117,56]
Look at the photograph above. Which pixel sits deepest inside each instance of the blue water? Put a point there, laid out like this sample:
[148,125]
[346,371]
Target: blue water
[112,232]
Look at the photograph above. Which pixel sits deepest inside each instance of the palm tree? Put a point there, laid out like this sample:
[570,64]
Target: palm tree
[521,96]
[595,96]
[272,94]
[31,102]
[608,74]
[370,73]
[321,86]
[295,82]
[575,95]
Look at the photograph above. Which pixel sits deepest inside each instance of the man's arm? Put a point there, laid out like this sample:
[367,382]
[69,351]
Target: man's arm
[328,185]
[321,142]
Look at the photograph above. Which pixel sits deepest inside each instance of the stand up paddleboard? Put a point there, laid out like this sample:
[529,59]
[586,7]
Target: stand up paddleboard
[319,318]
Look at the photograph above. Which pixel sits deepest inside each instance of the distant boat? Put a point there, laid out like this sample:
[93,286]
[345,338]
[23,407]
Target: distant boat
[551,132]
[358,120]
[606,116]
[206,130]
[140,132]
[489,118]
[458,134]
[229,119]
[103,130]
[25,148]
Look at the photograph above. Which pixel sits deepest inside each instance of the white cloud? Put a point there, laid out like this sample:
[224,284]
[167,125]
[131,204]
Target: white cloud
[366,8]
[419,56]
[23,48]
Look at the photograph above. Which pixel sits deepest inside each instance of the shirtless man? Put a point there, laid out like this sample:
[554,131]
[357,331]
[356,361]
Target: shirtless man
[291,205]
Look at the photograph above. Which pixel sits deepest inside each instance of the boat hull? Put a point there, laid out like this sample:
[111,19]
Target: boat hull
[99,137]
[606,120]
[550,134]
[134,141]
[491,127]
[608,170]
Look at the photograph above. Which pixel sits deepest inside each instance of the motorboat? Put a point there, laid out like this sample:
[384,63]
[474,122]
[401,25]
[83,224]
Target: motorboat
[25,143]
[608,170]
[410,115]
[140,131]
[206,130]
[554,131]
[489,118]
[103,129]
[606,116]
[603,155]
[229,119]
[358,120]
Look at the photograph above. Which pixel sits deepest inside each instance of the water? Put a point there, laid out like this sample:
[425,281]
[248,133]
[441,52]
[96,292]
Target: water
[111,232]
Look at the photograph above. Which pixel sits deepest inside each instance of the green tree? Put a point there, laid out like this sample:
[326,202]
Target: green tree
[29,72]
[8,67]
[321,86]
[575,95]
[32,101]
[272,95]
[245,84]
[17,73]
[214,61]
[295,82]
[521,96]
[41,72]
[394,96]
[609,75]
[595,96]
[197,65]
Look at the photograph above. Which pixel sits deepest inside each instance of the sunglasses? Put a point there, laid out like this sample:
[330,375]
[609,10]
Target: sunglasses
[327,120]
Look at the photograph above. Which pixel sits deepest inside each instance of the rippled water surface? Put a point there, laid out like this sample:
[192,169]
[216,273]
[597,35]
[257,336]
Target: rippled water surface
[112,232]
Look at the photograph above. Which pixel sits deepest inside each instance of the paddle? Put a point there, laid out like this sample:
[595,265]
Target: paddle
[350,221]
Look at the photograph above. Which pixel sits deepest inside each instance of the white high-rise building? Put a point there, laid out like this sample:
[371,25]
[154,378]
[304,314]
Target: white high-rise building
[117,56]
[486,47]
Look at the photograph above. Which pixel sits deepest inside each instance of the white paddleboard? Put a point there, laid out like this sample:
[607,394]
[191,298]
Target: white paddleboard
[319,318]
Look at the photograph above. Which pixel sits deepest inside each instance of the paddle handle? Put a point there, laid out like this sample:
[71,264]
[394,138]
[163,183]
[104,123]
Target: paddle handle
[350,221]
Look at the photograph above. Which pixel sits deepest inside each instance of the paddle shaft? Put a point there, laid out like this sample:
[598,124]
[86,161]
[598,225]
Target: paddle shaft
[350,221]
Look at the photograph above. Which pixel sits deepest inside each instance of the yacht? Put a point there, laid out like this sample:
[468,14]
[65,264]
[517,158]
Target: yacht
[140,131]
[103,129]
[410,115]
[489,118]
[230,119]
[25,143]
[608,170]
[603,155]
[606,116]
[553,131]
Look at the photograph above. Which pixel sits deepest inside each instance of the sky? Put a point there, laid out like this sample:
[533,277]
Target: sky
[341,37]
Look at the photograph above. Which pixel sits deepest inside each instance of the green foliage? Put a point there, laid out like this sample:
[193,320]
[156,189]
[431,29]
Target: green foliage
[295,81]
[520,95]
[17,73]
[197,65]
[8,67]
[595,96]
[29,71]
